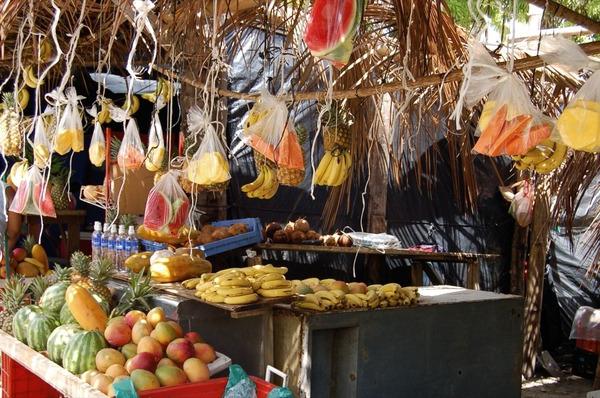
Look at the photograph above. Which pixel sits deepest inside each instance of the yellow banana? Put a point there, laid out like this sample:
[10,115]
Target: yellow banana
[326,295]
[312,298]
[327,282]
[191,283]
[353,301]
[554,161]
[31,79]
[23,98]
[204,286]
[342,173]
[272,276]
[270,269]
[244,299]
[234,291]
[45,51]
[374,287]
[322,168]
[339,294]
[308,306]
[390,287]
[335,169]
[311,281]
[132,104]
[275,284]
[256,183]
[270,193]
[272,293]
[267,186]
[237,282]
[213,297]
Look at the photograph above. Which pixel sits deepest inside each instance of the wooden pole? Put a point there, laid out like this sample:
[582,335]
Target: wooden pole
[360,92]
[555,9]
[534,286]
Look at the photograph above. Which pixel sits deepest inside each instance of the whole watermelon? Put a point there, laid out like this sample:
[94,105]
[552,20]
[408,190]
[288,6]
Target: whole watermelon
[21,320]
[57,342]
[80,352]
[53,298]
[66,317]
[39,330]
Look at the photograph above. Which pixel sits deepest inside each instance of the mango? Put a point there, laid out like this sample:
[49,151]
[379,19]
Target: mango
[107,357]
[164,333]
[196,370]
[133,316]
[205,352]
[102,382]
[117,333]
[171,376]
[148,344]
[141,329]
[116,370]
[144,380]
[156,315]
[129,350]
[143,360]
[179,350]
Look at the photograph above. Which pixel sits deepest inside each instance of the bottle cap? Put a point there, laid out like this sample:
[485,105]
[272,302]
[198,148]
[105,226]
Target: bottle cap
[113,229]
[105,227]
[131,230]
[97,226]
[121,229]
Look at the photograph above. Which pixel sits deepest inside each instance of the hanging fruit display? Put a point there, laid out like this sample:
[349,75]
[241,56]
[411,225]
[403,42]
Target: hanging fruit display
[12,128]
[167,206]
[334,167]
[544,158]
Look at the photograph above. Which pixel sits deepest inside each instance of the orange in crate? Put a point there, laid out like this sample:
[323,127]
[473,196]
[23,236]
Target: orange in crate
[18,382]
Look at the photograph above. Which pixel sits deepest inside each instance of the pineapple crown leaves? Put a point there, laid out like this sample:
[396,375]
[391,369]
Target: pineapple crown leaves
[28,243]
[81,263]
[37,287]
[101,270]
[136,294]
[13,293]
[62,274]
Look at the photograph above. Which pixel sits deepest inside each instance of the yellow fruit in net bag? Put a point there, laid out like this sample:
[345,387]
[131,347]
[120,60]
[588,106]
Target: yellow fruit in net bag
[63,142]
[211,168]
[579,126]
[41,154]
[155,159]
[77,140]
[97,154]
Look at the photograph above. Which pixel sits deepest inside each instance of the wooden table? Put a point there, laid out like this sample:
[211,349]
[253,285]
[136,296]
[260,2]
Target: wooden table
[73,219]
[418,258]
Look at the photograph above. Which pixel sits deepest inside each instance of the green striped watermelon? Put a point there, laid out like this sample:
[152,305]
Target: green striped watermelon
[57,342]
[39,330]
[66,316]
[21,320]
[53,298]
[80,352]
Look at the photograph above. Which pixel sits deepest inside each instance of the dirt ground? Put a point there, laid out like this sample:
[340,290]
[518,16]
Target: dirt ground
[553,387]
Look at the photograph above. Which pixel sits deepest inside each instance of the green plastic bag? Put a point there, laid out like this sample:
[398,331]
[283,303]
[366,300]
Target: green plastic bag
[125,389]
[280,392]
[239,385]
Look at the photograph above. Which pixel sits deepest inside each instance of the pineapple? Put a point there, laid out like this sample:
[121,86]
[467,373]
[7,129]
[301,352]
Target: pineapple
[336,128]
[61,274]
[12,130]
[58,182]
[11,299]
[37,287]
[28,244]
[80,268]
[101,271]
[135,296]
[128,220]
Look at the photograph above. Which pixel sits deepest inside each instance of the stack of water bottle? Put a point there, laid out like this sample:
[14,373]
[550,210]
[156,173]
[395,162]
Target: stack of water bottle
[112,243]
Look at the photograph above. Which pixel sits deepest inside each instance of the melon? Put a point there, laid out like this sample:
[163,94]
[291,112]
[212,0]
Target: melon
[80,353]
[53,298]
[19,203]
[57,342]
[40,328]
[66,316]
[180,216]
[21,321]
[158,211]
[43,202]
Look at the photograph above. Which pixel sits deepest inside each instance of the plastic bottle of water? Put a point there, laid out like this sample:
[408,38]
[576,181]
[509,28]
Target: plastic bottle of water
[112,243]
[97,241]
[120,248]
[133,244]
[104,241]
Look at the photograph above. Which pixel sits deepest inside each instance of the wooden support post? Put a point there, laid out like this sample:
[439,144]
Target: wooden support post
[416,273]
[473,275]
[377,211]
[534,286]
[555,9]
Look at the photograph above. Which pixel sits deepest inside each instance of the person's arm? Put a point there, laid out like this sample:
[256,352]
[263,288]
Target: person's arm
[13,228]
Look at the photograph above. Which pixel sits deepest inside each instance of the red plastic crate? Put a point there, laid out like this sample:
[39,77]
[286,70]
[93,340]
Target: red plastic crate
[18,382]
[208,389]
[588,345]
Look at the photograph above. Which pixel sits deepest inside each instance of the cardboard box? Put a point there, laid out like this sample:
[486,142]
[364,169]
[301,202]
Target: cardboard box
[136,186]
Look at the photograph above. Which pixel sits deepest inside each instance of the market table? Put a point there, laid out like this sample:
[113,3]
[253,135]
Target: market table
[73,219]
[419,257]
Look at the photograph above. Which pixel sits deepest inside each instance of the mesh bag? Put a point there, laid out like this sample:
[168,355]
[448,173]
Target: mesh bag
[131,153]
[167,206]
[32,198]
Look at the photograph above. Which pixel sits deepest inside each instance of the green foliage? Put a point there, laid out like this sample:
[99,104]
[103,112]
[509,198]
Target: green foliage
[499,11]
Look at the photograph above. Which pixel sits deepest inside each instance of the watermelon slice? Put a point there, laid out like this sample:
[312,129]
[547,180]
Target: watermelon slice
[158,211]
[331,29]
[180,215]
[43,203]
[21,198]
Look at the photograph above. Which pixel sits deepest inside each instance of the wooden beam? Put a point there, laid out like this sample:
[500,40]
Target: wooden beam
[361,92]
[555,9]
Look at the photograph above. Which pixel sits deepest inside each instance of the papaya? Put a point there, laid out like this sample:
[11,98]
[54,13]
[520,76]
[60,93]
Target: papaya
[139,261]
[27,269]
[38,253]
[178,268]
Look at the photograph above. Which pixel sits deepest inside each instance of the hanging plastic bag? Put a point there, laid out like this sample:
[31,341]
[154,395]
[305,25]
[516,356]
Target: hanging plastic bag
[97,149]
[209,165]
[239,385]
[131,153]
[31,198]
[290,158]
[521,206]
[509,123]
[41,144]
[264,125]
[69,132]
[331,29]
[167,206]
[156,145]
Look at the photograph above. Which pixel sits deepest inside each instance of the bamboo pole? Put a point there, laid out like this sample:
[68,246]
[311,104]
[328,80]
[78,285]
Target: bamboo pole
[361,92]
[558,10]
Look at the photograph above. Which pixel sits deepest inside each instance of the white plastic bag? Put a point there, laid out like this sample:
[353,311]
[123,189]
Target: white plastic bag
[41,144]
[509,123]
[31,198]
[97,149]
[586,324]
[156,145]
[265,123]
[131,153]
[209,165]
[69,132]
[560,51]
[521,207]
[167,206]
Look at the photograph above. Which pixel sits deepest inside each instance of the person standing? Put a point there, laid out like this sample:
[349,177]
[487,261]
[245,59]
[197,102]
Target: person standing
[10,222]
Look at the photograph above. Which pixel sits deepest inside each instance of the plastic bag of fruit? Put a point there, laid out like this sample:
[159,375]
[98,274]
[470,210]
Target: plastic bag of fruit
[97,149]
[33,196]
[41,144]
[131,153]
[69,132]
[331,29]
[239,385]
[521,207]
[264,124]
[167,206]
[209,165]
[156,145]
[509,123]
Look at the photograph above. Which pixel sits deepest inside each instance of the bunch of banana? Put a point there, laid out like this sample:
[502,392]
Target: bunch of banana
[104,114]
[333,168]
[132,104]
[31,79]
[393,295]
[265,186]
[23,98]
[269,281]
[45,51]
[164,89]
[229,286]
[546,157]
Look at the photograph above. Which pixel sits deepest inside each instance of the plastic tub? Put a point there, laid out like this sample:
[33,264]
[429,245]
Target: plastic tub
[252,237]
[208,389]
[18,382]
